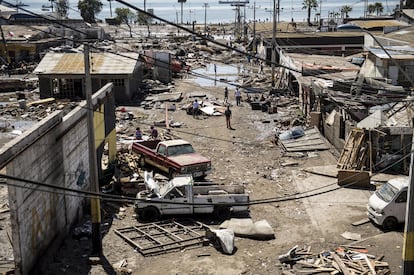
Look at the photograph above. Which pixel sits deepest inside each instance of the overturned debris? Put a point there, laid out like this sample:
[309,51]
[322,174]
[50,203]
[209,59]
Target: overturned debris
[247,228]
[223,239]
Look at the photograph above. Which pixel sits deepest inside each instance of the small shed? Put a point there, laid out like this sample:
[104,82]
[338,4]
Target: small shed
[62,75]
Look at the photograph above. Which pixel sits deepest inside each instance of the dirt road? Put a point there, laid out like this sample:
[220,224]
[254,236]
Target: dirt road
[246,155]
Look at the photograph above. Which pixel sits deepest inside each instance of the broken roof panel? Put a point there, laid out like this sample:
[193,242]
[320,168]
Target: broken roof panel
[396,52]
[101,63]
[312,140]
[373,121]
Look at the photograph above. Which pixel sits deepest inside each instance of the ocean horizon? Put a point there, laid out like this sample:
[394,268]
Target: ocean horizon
[214,12]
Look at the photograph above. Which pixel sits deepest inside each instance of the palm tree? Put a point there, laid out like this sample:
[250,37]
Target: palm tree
[345,10]
[89,8]
[378,8]
[371,8]
[309,5]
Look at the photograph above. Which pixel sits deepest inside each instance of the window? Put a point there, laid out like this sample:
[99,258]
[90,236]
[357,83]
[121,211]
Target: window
[161,150]
[118,82]
[402,197]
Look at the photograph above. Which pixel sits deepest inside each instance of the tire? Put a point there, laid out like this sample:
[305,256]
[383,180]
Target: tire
[390,223]
[222,212]
[150,213]
[142,162]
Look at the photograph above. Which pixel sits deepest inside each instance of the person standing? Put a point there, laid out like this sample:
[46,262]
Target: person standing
[154,132]
[237,94]
[196,107]
[226,94]
[227,113]
[138,134]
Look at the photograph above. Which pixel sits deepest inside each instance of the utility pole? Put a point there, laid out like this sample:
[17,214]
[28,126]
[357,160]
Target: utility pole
[273,45]
[254,27]
[205,5]
[93,167]
[182,2]
[110,8]
[408,248]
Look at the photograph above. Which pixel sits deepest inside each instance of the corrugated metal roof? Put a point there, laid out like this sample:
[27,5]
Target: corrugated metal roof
[396,52]
[73,63]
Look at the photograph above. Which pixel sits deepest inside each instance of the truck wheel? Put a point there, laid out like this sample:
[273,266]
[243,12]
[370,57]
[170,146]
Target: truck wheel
[222,212]
[150,213]
[141,161]
[390,223]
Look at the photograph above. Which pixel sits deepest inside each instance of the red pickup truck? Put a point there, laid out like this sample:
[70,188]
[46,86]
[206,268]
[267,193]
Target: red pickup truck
[172,157]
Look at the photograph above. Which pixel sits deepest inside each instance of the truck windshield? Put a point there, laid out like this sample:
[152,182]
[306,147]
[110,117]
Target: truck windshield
[387,192]
[180,149]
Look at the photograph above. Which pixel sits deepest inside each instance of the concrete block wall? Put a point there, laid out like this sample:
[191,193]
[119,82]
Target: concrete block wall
[54,151]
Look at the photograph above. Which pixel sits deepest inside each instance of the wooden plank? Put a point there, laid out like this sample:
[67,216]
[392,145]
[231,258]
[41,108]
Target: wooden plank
[370,265]
[341,264]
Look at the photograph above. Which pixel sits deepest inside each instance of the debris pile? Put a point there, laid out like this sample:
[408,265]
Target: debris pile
[344,260]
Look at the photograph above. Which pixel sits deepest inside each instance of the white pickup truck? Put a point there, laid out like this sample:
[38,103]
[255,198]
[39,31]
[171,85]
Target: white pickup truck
[181,196]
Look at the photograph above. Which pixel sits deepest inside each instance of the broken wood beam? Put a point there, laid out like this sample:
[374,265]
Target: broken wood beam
[341,264]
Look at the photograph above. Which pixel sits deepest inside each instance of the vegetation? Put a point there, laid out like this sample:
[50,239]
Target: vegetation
[126,16]
[345,10]
[143,18]
[89,8]
[62,8]
[309,5]
[378,8]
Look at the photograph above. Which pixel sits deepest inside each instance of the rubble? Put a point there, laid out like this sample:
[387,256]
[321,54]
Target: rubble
[344,260]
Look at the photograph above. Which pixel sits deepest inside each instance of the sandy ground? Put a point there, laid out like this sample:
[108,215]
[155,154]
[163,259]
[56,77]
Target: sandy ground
[246,155]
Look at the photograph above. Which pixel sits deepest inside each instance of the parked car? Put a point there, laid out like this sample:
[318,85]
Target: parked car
[387,206]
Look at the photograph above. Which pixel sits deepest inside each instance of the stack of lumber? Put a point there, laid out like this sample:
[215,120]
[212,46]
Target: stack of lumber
[346,260]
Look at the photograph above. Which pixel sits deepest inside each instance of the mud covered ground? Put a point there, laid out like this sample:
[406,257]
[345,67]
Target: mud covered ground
[245,155]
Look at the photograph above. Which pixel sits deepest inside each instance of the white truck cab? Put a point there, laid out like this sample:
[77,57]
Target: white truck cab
[387,206]
[181,196]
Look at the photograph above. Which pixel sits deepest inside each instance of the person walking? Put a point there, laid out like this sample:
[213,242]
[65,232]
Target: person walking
[226,94]
[227,113]
[196,107]
[237,94]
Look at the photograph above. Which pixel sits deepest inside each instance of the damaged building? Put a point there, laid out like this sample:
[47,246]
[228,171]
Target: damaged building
[361,103]
[62,75]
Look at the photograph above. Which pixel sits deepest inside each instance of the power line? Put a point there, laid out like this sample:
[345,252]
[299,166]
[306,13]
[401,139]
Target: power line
[88,194]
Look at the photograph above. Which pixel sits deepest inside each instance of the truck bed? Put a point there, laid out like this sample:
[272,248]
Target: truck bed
[217,189]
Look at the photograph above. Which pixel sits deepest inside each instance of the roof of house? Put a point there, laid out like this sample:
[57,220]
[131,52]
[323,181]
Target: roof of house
[409,12]
[406,35]
[396,52]
[101,63]
[23,32]
[369,24]
[331,68]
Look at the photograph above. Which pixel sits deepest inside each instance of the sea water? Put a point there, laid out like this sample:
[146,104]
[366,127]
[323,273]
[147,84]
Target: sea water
[207,11]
